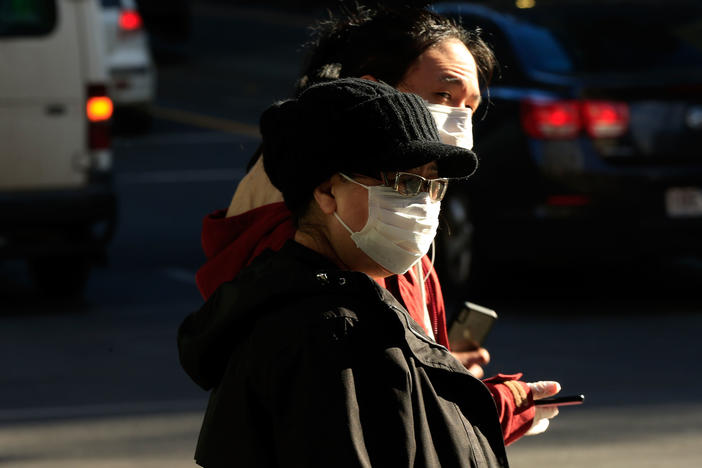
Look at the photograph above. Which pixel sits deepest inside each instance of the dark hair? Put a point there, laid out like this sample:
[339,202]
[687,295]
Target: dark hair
[384,42]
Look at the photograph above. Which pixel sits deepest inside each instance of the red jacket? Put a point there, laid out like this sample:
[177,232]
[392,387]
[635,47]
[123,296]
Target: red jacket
[230,244]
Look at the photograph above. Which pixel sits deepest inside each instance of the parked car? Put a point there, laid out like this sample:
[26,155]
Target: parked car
[57,203]
[589,143]
[132,83]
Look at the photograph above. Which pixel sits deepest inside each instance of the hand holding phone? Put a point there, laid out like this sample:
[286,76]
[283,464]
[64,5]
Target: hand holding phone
[470,328]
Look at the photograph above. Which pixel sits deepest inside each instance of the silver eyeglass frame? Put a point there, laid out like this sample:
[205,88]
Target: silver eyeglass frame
[426,185]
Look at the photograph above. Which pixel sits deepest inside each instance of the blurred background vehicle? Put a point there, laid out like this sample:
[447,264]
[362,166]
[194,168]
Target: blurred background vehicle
[57,204]
[589,139]
[132,74]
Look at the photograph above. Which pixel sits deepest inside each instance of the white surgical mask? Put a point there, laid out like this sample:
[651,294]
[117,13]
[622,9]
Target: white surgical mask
[399,230]
[454,124]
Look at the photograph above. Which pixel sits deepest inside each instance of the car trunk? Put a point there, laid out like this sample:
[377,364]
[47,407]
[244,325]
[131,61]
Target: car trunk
[646,56]
[665,119]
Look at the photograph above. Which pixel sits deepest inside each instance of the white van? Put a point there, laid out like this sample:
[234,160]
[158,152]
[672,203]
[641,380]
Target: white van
[57,204]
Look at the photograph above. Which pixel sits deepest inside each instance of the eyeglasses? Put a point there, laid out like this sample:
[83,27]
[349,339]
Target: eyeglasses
[410,185]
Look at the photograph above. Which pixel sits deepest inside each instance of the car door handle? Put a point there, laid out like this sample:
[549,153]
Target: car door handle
[55,109]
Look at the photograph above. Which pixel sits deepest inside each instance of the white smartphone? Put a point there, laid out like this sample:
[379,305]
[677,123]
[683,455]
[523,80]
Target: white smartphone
[471,326]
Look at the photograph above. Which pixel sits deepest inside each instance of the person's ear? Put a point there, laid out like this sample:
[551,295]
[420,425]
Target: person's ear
[324,196]
[369,77]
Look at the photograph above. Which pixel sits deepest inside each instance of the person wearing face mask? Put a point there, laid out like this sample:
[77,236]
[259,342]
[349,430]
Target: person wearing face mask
[415,51]
[412,49]
[310,362]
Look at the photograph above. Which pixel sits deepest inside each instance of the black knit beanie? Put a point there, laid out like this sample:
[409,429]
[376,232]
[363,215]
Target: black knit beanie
[352,126]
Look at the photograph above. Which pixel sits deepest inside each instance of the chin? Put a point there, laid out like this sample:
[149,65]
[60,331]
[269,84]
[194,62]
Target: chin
[379,272]
[366,265]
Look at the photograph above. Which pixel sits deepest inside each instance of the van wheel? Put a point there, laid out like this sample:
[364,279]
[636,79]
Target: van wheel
[62,277]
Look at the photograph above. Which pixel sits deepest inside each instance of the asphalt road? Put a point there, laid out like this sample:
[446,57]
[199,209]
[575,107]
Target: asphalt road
[98,384]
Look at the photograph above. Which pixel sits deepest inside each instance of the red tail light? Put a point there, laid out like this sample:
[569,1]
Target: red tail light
[605,119]
[130,20]
[98,110]
[551,119]
[568,200]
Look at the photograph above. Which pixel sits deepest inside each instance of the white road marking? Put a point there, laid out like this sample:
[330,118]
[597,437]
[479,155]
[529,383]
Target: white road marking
[180,274]
[186,138]
[178,176]
[205,121]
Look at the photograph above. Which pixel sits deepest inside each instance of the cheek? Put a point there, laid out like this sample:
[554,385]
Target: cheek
[353,208]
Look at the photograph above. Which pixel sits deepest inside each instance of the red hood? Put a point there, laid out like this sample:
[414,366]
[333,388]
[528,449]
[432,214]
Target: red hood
[232,243]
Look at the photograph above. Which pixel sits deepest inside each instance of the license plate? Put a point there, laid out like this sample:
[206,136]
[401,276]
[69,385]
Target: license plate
[683,202]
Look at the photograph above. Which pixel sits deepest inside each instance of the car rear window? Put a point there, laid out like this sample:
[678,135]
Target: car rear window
[27,17]
[602,39]
[110,3]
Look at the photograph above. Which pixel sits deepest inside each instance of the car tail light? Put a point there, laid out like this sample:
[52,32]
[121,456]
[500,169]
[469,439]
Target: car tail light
[568,200]
[98,110]
[551,119]
[605,119]
[130,20]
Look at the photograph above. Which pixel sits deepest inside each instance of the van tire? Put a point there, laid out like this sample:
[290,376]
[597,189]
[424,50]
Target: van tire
[61,277]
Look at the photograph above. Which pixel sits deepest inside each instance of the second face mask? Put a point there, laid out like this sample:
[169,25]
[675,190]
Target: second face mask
[454,124]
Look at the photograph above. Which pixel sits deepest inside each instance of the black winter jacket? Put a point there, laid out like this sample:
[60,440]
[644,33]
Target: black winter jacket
[311,366]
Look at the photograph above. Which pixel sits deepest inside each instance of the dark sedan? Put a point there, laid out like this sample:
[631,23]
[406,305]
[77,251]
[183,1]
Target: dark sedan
[590,143]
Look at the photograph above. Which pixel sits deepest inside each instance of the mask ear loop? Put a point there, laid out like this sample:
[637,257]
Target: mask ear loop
[431,269]
[422,279]
[420,272]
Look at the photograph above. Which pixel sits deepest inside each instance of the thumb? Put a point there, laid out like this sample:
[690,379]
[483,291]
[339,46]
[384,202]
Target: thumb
[544,388]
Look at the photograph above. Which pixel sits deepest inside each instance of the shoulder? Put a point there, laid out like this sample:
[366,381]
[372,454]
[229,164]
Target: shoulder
[340,311]
[308,320]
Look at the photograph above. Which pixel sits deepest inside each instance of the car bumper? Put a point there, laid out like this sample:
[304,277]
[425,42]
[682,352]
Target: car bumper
[555,240]
[569,203]
[132,86]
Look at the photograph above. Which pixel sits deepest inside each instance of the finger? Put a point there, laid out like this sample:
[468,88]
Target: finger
[545,412]
[485,356]
[544,388]
[469,358]
[539,426]
[477,371]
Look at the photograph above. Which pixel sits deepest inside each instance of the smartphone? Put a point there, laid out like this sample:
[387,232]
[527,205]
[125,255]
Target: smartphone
[471,326]
[565,400]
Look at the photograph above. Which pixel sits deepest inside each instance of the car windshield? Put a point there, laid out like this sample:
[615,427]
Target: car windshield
[609,39]
[27,17]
